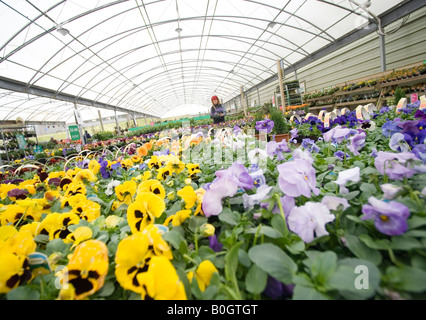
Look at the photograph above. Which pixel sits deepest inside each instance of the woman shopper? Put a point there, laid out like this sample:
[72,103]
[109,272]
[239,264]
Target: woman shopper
[217,111]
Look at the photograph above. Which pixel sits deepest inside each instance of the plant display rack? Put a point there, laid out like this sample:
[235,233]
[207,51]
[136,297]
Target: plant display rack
[8,138]
[291,92]
[376,89]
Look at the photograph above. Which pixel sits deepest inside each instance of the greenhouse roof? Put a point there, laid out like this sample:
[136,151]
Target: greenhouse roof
[152,56]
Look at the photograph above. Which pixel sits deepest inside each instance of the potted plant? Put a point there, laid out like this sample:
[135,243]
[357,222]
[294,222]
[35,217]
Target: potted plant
[281,126]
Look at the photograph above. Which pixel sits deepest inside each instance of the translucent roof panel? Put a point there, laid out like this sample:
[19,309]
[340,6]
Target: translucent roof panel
[152,56]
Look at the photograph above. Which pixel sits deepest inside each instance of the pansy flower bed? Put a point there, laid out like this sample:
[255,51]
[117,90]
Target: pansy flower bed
[221,215]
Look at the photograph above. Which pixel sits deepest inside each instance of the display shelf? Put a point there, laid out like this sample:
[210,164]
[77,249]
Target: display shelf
[372,91]
[407,81]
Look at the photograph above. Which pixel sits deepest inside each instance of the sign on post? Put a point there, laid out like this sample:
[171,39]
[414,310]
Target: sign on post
[74,133]
[21,140]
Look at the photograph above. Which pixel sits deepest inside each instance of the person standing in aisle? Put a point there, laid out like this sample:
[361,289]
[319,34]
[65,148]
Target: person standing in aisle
[86,136]
[217,111]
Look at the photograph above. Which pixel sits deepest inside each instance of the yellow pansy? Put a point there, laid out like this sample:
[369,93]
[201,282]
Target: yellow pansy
[85,176]
[94,166]
[60,226]
[126,191]
[87,268]
[156,241]
[131,258]
[164,172]
[178,218]
[203,274]
[153,186]
[158,286]
[136,159]
[188,195]
[56,174]
[207,229]
[176,165]
[75,188]
[81,234]
[126,163]
[154,163]
[144,210]
[15,214]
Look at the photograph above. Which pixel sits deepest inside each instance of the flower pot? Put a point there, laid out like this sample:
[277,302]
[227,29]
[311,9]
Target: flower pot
[281,137]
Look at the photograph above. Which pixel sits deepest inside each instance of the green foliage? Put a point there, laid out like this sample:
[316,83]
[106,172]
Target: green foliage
[280,123]
[399,94]
[103,135]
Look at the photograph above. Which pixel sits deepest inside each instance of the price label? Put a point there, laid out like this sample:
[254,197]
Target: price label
[321,114]
[359,112]
[401,104]
[423,103]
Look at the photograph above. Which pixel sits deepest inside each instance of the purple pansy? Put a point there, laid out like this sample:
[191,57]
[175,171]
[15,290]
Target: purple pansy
[390,218]
[357,142]
[309,221]
[239,173]
[212,199]
[396,166]
[297,178]
[214,244]
[265,126]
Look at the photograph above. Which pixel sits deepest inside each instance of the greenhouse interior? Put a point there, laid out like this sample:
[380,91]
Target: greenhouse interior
[213,150]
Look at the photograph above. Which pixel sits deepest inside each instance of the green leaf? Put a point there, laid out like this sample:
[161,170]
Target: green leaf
[231,262]
[368,188]
[267,231]
[308,293]
[369,171]
[350,195]
[277,223]
[23,293]
[274,261]
[323,266]
[296,247]
[231,217]
[57,245]
[416,221]
[380,244]
[243,258]
[256,280]
[407,278]
[107,289]
[174,238]
[361,250]
[405,243]
[355,278]
[195,222]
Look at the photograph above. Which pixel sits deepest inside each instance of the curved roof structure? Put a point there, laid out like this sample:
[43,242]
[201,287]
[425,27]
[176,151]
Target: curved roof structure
[150,56]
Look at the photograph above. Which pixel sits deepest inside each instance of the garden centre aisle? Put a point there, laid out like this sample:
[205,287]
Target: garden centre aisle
[312,186]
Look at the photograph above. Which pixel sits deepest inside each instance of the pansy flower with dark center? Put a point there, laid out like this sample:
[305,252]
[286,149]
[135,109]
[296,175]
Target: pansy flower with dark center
[144,210]
[17,194]
[157,286]
[61,228]
[132,257]
[87,268]
[126,191]
[164,172]
[19,215]
[64,182]
[75,188]
[154,186]
[14,265]
[154,163]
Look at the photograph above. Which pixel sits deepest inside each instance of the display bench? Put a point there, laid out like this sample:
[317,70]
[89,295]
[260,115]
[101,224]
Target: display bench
[13,139]
[292,92]
[376,89]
